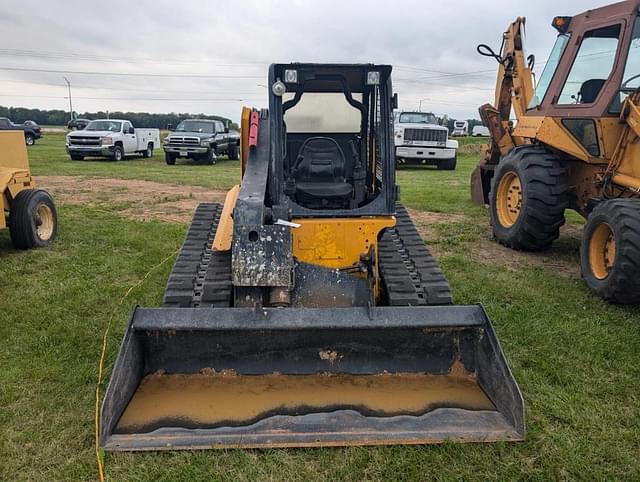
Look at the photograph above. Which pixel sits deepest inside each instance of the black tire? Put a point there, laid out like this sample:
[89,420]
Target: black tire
[211,157]
[118,153]
[233,152]
[542,199]
[148,153]
[169,158]
[76,157]
[33,220]
[29,139]
[617,280]
[448,164]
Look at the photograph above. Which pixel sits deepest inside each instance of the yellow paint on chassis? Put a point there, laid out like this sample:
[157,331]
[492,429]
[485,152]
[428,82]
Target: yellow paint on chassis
[337,242]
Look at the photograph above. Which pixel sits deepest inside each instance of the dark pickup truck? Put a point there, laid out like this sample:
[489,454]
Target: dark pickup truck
[31,131]
[201,139]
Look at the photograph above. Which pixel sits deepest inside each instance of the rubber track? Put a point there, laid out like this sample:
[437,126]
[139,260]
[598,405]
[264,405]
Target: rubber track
[202,277]
[410,273]
[186,277]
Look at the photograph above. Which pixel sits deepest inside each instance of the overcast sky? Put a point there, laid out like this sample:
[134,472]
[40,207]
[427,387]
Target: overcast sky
[430,43]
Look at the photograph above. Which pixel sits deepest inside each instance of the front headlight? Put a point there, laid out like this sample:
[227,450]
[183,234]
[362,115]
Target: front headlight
[399,133]
[107,141]
[206,142]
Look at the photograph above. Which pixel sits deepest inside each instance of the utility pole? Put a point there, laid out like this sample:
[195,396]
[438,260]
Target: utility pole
[70,103]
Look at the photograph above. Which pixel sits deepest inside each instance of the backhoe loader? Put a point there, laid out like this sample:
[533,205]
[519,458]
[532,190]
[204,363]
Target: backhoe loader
[29,213]
[575,145]
[307,311]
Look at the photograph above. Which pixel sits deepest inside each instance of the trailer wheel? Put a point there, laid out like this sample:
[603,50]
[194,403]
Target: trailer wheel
[148,153]
[118,153]
[169,158]
[448,164]
[33,220]
[610,251]
[528,198]
[29,139]
[233,152]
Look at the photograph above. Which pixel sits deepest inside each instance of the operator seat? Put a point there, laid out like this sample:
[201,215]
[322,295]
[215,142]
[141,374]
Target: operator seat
[590,90]
[320,175]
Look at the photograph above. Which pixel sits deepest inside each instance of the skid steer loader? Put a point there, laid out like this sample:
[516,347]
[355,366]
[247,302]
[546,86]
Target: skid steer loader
[29,213]
[575,145]
[307,310]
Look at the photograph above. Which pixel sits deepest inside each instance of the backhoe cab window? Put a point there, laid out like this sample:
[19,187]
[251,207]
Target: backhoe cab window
[549,70]
[631,77]
[592,67]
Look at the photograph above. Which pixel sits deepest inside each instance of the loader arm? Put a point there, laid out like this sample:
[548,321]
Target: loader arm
[514,90]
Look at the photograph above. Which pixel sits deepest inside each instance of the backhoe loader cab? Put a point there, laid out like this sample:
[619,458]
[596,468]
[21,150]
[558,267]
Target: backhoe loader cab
[307,311]
[575,144]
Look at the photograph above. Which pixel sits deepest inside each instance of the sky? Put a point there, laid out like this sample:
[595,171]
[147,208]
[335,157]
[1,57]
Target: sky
[212,57]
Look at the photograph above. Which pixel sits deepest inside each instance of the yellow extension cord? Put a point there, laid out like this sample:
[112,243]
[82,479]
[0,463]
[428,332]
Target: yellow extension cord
[99,453]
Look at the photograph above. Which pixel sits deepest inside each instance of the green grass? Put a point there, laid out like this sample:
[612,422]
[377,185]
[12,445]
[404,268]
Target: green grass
[574,356]
[48,158]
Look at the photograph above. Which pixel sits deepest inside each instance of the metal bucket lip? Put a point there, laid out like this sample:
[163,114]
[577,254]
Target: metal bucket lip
[335,429]
[250,319]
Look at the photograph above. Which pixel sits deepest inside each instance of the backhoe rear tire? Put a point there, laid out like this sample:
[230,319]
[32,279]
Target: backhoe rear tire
[33,220]
[529,194]
[610,251]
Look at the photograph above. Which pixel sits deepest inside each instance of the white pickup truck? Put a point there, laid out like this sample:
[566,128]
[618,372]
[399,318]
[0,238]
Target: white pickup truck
[111,138]
[420,140]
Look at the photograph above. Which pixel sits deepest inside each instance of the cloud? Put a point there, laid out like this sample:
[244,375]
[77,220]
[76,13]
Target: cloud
[239,39]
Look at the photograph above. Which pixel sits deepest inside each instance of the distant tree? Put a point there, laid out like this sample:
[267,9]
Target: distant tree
[139,119]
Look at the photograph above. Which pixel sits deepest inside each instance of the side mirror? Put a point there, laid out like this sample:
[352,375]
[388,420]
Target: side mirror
[170,127]
[132,130]
[226,130]
[394,101]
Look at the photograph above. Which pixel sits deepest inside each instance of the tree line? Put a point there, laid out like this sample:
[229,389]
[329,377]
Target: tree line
[139,119]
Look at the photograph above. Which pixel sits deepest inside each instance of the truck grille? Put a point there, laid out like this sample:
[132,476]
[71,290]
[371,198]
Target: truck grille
[184,141]
[84,141]
[425,135]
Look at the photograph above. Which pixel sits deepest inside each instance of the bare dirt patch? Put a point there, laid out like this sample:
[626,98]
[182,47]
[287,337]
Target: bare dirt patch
[140,200]
[562,258]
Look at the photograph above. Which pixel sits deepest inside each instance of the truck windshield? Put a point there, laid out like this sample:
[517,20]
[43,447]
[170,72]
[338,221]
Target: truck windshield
[417,118]
[104,125]
[195,126]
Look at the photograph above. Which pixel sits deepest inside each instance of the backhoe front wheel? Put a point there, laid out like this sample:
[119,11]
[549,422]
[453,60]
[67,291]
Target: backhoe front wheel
[528,198]
[610,251]
[33,220]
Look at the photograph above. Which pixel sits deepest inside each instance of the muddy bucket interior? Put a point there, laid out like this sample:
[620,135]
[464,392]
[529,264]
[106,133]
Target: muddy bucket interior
[189,378]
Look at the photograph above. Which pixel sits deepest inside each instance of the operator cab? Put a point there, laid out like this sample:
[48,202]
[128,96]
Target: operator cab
[335,149]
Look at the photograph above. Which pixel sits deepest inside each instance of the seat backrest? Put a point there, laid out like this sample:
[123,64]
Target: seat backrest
[320,159]
[590,90]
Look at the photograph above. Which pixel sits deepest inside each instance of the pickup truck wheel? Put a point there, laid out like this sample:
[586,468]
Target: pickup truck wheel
[118,154]
[33,220]
[148,153]
[76,157]
[211,156]
[29,139]
[233,152]
[170,159]
[448,164]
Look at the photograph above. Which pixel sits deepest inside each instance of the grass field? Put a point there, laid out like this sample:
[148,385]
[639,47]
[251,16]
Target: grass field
[574,356]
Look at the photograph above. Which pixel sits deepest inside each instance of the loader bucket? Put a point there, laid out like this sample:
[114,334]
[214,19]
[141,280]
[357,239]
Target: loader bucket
[196,378]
